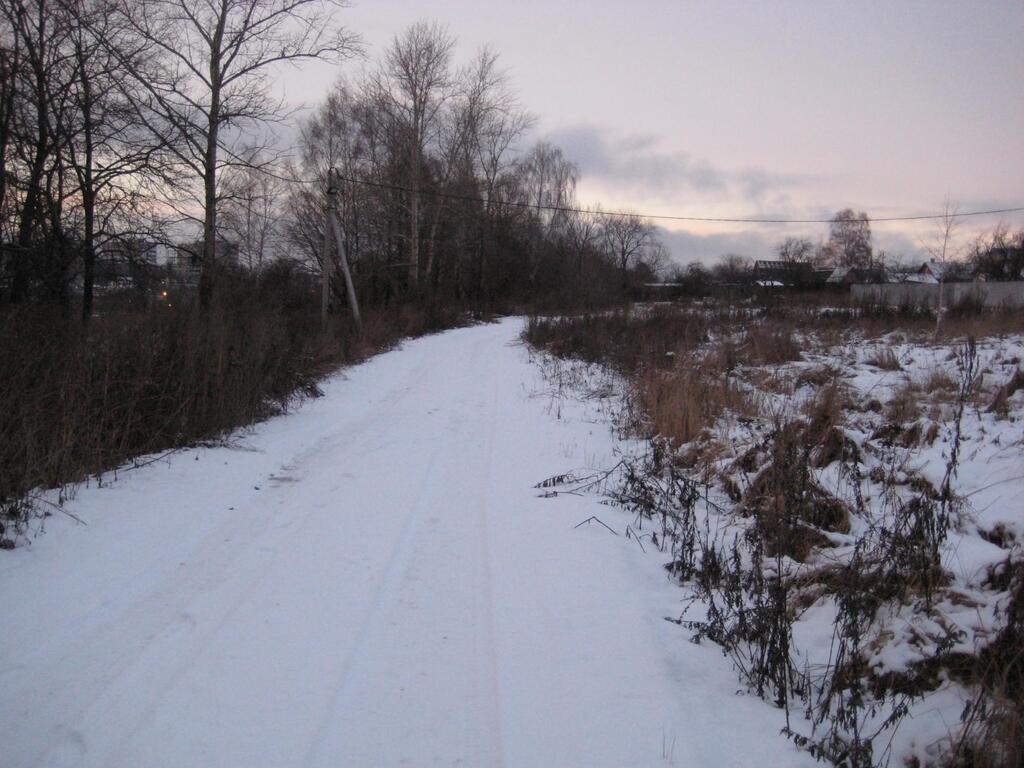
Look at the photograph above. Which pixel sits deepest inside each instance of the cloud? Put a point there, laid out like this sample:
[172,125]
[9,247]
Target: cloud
[636,168]
[636,164]
[689,246]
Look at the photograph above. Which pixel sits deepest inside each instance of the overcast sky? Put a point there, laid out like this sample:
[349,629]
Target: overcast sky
[793,109]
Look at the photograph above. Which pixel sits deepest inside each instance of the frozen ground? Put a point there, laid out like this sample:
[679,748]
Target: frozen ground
[371,580]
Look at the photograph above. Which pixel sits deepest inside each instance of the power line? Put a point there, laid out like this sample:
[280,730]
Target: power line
[654,216]
[664,217]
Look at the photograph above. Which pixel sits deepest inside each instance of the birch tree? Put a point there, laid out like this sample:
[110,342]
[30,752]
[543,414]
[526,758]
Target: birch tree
[626,235]
[413,85]
[212,86]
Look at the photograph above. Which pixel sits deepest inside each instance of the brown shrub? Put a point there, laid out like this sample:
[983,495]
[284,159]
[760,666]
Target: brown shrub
[992,735]
[681,404]
[938,380]
[770,344]
[80,401]
[624,339]
[835,446]
[825,411]
[1000,404]
[903,405]
[884,358]
[818,376]
[790,509]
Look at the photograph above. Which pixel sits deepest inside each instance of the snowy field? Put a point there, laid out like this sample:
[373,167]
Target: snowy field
[847,517]
[372,580]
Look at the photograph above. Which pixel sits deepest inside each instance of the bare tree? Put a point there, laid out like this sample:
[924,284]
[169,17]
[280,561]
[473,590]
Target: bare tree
[655,259]
[942,248]
[547,181]
[10,65]
[481,90]
[252,200]
[795,249]
[39,104]
[114,157]
[732,268]
[626,235]
[849,240]
[214,83]
[497,134]
[999,254]
[583,233]
[413,85]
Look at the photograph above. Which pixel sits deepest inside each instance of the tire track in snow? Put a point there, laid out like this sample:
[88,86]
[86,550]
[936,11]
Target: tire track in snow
[384,586]
[158,625]
[336,734]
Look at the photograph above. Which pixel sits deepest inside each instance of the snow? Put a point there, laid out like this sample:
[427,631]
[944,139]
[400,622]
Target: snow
[370,580]
[989,480]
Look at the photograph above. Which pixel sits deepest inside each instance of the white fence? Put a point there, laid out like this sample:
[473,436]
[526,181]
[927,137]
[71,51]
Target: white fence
[1008,294]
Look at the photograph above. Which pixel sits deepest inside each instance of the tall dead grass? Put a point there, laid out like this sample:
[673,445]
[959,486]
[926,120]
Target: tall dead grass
[679,360]
[681,404]
[683,381]
[77,402]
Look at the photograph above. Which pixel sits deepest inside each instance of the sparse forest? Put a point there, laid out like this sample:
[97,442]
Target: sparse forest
[151,222]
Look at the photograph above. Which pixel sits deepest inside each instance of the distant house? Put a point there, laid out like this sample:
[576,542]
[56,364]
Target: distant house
[188,257]
[158,254]
[935,272]
[918,278]
[846,276]
[822,274]
[786,274]
[125,263]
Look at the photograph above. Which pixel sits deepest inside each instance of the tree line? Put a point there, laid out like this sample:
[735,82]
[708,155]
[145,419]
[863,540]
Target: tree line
[124,121]
[439,197]
[994,255]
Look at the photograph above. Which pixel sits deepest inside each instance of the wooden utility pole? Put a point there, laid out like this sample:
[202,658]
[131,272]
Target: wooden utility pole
[325,265]
[332,222]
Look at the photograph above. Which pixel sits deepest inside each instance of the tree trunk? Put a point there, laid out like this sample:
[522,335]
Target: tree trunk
[88,258]
[208,265]
[414,225]
[88,194]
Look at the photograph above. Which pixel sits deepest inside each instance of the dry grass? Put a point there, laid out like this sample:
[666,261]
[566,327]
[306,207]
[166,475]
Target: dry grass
[938,380]
[904,405]
[771,344]
[1000,404]
[825,410]
[681,404]
[884,358]
[80,402]
[775,484]
[993,731]
[623,339]
[790,508]
[817,376]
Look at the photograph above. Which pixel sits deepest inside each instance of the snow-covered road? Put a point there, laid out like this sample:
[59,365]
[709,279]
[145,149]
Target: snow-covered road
[371,580]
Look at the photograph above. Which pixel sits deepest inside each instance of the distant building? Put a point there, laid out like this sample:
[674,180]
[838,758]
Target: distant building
[786,274]
[187,257]
[935,272]
[190,255]
[846,276]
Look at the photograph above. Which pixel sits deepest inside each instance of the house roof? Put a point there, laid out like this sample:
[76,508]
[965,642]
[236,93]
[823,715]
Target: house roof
[856,275]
